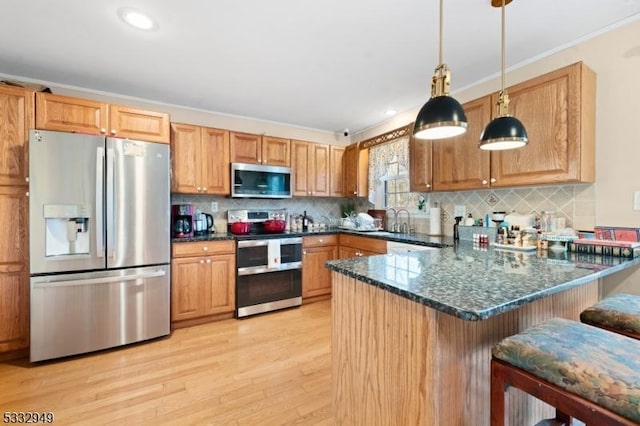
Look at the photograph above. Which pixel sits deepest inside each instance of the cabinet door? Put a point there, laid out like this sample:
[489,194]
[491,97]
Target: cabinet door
[558,112]
[214,163]
[133,123]
[67,114]
[301,165]
[355,171]
[458,163]
[219,296]
[186,158]
[318,171]
[14,269]
[246,148]
[347,252]
[276,151]
[336,176]
[420,165]
[16,118]
[188,276]
[316,279]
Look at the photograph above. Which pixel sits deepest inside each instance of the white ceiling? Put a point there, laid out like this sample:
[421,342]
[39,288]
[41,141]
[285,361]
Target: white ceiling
[328,65]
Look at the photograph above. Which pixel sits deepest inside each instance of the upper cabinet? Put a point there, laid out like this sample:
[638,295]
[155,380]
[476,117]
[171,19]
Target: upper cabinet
[355,171]
[336,172]
[257,149]
[200,160]
[558,111]
[458,163]
[68,114]
[420,164]
[16,118]
[310,166]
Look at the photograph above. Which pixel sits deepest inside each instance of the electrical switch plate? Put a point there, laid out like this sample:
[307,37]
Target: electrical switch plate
[459,211]
[636,200]
[214,207]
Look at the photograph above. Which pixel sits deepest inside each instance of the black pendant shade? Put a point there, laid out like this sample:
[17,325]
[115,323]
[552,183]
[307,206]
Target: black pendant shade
[505,132]
[441,117]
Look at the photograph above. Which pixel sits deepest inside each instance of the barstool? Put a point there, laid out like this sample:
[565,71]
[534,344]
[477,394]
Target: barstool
[584,372]
[619,313]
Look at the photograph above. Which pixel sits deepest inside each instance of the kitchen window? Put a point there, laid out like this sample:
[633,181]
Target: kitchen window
[389,176]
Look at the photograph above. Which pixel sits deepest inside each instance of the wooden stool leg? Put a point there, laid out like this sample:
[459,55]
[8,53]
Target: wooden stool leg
[498,397]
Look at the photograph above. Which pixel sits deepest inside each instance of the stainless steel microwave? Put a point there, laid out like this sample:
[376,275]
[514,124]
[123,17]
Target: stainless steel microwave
[260,181]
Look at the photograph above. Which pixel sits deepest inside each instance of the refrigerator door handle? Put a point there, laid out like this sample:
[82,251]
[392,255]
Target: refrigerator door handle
[110,206]
[100,202]
[88,281]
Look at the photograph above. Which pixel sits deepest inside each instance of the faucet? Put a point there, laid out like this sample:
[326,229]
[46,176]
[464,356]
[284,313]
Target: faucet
[406,226]
[392,228]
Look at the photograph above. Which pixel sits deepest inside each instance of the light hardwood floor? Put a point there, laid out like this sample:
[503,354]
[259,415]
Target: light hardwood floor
[273,369]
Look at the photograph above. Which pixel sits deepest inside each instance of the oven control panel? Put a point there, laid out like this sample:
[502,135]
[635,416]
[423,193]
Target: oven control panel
[255,215]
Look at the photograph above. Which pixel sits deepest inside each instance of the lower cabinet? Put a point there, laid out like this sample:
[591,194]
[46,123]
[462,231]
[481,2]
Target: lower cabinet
[202,281]
[316,251]
[355,246]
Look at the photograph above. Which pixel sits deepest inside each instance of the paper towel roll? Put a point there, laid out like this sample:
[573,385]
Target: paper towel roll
[434,221]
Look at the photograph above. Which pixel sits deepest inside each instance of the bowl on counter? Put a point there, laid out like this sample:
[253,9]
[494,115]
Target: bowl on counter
[240,228]
[274,225]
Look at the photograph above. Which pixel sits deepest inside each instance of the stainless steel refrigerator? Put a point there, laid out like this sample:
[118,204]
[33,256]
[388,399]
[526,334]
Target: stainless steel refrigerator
[99,213]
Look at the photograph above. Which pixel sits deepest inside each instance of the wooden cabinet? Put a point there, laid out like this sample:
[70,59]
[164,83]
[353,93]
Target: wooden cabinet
[16,117]
[458,163]
[336,171]
[257,149]
[68,114]
[202,281]
[200,160]
[355,246]
[355,171]
[558,112]
[316,251]
[14,268]
[310,167]
[420,165]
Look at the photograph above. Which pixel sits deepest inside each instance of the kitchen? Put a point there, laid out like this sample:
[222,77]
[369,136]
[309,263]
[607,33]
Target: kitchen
[608,199]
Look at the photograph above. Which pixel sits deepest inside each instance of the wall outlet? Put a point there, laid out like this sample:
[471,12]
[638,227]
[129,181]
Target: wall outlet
[459,211]
[214,207]
[636,200]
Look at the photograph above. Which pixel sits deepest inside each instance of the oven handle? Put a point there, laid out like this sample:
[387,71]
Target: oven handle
[264,242]
[255,270]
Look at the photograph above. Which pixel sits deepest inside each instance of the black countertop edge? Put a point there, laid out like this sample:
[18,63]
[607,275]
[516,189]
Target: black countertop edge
[417,239]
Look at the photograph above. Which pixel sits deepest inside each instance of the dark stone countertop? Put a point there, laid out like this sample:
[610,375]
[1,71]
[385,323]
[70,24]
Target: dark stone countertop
[475,284]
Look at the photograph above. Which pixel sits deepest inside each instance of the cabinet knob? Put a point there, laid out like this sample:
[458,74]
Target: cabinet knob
[484,181]
[355,192]
[205,248]
[304,252]
[208,260]
[113,131]
[198,189]
[204,189]
[493,180]
[321,241]
[26,179]
[201,260]
[103,130]
[428,185]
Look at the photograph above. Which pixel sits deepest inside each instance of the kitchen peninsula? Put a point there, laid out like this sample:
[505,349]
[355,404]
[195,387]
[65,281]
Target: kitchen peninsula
[412,333]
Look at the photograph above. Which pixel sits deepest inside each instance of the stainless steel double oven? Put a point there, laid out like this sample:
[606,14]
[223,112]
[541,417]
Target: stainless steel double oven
[269,266]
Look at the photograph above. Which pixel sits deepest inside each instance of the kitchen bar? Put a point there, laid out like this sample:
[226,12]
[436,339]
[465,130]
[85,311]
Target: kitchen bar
[412,333]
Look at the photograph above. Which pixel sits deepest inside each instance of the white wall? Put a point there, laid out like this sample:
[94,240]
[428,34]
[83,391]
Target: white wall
[615,58]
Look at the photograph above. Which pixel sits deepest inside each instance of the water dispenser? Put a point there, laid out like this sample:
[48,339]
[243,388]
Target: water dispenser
[67,229]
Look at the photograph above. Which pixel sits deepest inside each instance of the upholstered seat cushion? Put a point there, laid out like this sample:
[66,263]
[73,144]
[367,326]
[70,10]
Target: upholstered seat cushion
[619,312]
[595,364]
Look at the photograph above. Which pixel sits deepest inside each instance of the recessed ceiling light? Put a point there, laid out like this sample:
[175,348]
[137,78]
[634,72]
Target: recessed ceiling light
[137,19]
[390,112]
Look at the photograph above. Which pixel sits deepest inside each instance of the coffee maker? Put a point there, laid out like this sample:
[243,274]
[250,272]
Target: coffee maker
[182,220]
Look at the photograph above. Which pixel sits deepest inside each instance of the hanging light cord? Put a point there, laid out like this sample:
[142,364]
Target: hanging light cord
[503,46]
[440,36]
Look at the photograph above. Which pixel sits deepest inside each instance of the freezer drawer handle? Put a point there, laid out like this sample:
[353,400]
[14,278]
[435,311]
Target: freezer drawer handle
[158,273]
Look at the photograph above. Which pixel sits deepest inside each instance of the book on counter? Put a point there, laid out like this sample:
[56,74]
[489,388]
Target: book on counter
[628,249]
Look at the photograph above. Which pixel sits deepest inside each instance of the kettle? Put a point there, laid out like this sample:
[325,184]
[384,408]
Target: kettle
[208,219]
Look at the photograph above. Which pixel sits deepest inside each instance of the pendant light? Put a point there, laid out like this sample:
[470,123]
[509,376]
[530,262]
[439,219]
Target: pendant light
[505,131]
[442,116]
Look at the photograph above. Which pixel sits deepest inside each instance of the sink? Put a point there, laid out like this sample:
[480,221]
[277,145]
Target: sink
[381,233]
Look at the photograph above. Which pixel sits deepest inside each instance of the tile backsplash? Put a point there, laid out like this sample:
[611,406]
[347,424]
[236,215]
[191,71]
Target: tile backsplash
[574,203]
